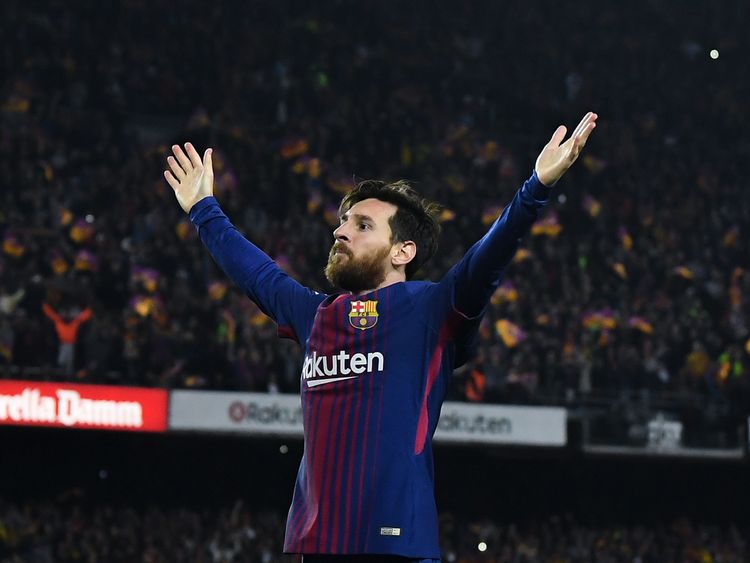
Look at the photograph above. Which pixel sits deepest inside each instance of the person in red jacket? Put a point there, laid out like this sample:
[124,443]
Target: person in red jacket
[67,334]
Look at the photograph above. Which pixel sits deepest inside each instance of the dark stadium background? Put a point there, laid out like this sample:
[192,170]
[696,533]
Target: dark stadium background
[509,484]
[91,96]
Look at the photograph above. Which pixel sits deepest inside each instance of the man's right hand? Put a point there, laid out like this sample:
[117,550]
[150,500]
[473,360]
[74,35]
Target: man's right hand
[191,179]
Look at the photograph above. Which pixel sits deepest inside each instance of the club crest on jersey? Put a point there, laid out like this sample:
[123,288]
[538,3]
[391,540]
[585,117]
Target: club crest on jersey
[364,314]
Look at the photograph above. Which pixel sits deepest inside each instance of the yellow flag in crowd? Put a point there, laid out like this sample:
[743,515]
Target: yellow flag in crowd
[506,293]
[549,226]
[522,255]
[66,217]
[13,247]
[625,239]
[491,213]
[59,265]
[619,269]
[81,231]
[684,272]
[217,290]
[143,305]
[639,323]
[592,206]
[604,319]
[447,215]
[147,277]
[85,261]
[184,228]
[511,334]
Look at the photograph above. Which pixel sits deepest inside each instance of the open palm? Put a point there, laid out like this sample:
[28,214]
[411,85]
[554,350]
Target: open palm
[191,178]
[556,158]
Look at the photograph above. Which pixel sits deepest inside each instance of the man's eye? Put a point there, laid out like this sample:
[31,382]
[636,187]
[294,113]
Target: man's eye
[363,226]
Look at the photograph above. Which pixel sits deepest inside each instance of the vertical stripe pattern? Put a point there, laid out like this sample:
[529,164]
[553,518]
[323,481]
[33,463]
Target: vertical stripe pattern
[446,333]
[344,495]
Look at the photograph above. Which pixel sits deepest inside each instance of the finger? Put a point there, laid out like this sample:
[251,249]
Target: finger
[175,167]
[591,119]
[580,140]
[195,158]
[557,136]
[582,124]
[583,136]
[171,180]
[182,159]
[208,163]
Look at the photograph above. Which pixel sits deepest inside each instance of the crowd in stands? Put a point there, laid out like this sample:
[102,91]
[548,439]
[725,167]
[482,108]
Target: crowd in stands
[635,280]
[70,531]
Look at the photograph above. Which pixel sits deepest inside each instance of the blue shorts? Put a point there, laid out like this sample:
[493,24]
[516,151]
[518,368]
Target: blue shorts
[363,559]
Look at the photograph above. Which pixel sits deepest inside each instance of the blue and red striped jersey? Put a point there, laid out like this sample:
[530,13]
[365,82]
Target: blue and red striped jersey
[376,370]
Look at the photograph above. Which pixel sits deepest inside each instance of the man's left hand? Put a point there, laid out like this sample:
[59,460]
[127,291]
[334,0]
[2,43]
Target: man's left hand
[556,158]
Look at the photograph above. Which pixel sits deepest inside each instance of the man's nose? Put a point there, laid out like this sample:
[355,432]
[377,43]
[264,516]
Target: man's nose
[340,233]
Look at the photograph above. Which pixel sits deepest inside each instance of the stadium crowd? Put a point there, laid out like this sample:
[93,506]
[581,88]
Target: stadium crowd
[70,531]
[635,280]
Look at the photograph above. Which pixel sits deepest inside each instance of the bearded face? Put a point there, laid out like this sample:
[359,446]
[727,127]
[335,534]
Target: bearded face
[356,274]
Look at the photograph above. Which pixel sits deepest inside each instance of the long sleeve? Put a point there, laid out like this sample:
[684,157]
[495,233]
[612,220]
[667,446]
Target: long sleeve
[50,312]
[478,273]
[84,316]
[282,298]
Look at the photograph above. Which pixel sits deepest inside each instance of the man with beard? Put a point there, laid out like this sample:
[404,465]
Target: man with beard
[379,355]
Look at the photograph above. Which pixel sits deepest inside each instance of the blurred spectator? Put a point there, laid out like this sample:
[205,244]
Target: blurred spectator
[70,529]
[67,334]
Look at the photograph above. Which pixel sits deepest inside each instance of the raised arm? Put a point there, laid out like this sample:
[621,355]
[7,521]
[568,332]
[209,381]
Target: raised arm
[478,274]
[287,302]
[51,313]
[83,316]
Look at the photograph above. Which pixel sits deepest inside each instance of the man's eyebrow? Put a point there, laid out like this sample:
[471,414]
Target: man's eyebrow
[357,216]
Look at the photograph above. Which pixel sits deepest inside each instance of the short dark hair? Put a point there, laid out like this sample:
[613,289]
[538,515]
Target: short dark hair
[416,219]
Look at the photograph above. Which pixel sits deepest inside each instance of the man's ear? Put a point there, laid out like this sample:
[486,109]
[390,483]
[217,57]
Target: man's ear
[404,252]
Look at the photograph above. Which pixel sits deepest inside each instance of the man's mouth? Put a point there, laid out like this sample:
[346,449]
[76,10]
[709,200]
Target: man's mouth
[341,251]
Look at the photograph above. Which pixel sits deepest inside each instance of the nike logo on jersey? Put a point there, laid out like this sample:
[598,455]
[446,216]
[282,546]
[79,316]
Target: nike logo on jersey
[318,370]
[316,382]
